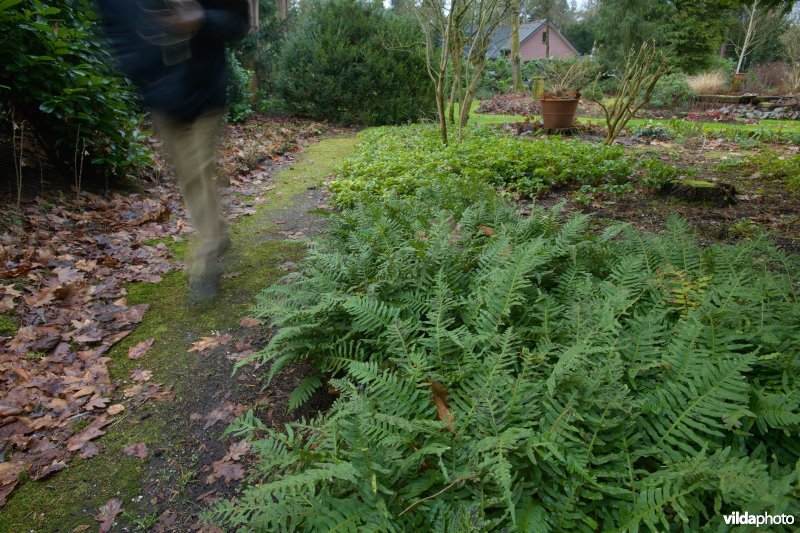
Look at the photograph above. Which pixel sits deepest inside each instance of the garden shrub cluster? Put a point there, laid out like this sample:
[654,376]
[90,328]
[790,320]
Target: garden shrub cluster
[396,161]
[355,62]
[671,92]
[59,77]
[496,76]
[506,372]
[238,93]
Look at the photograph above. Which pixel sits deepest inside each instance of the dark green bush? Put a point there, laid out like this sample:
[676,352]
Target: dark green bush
[238,90]
[496,76]
[260,49]
[59,77]
[354,62]
[671,92]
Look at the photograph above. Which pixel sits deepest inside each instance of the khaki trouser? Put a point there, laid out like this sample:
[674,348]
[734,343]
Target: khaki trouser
[192,148]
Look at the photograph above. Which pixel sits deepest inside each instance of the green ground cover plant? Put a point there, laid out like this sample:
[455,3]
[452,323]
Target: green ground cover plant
[401,160]
[505,372]
[770,166]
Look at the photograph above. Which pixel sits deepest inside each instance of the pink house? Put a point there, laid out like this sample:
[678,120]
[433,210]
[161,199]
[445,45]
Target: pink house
[533,38]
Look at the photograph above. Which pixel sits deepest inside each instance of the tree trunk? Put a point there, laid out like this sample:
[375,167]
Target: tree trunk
[283,10]
[440,109]
[466,102]
[516,73]
[547,39]
[748,36]
[454,92]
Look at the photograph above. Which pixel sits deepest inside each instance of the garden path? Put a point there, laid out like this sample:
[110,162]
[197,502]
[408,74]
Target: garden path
[162,461]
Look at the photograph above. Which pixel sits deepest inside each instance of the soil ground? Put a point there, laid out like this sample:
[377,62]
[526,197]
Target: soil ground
[166,490]
[760,205]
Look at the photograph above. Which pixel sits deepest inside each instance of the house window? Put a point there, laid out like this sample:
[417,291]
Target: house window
[544,36]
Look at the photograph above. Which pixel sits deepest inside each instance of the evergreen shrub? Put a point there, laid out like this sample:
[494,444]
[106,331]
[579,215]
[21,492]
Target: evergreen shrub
[355,62]
[671,92]
[59,77]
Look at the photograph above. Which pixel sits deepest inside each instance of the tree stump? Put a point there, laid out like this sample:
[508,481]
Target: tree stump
[722,194]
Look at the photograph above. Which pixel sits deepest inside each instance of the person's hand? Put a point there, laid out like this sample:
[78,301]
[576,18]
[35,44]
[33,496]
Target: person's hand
[185,16]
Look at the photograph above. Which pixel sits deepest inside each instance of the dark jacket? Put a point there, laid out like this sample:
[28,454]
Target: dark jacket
[191,86]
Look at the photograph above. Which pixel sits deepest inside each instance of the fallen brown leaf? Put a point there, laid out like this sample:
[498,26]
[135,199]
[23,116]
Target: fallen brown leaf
[441,401]
[224,413]
[138,449]
[249,322]
[9,477]
[132,391]
[89,450]
[141,375]
[115,409]
[92,431]
[227,471]
[108,514]
[208,343]
[139,350]
[237,450]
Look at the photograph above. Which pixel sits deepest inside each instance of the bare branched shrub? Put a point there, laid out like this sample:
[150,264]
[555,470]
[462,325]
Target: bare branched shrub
[643,68]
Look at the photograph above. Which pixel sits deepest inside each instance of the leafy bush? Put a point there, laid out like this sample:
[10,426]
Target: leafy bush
[238,90]
[508,372]
[671,91]
[496,76]
[652,130]
[58,76]
[355,62]
[398,161]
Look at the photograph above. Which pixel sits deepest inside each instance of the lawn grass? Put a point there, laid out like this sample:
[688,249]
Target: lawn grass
[784,126]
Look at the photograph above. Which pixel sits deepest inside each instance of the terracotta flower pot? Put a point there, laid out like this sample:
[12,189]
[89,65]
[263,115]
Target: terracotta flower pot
[559,112]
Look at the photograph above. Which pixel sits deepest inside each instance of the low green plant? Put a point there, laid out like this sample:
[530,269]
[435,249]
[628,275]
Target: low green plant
[653,130]
[654,173]
[771,166]
[687,130]
[398,161]
[505,372]
[745,228]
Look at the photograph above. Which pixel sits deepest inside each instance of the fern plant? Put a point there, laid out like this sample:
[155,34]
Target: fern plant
[505,372]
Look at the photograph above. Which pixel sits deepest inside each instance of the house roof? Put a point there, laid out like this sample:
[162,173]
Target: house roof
[501,38]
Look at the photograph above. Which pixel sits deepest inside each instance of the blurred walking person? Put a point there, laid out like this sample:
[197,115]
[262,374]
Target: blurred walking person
[174,52]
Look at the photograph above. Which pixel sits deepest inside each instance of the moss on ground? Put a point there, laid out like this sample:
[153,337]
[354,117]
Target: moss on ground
[7,326]
[70,498]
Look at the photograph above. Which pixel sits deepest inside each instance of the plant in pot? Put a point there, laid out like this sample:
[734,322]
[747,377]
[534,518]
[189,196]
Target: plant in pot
[563,80]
